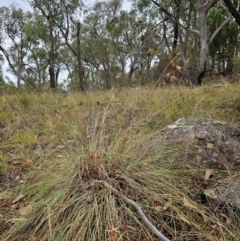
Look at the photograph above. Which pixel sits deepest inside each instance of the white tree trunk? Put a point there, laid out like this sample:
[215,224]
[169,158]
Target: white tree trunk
[205,38]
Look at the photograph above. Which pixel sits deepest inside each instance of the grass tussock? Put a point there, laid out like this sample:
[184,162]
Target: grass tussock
[57,150]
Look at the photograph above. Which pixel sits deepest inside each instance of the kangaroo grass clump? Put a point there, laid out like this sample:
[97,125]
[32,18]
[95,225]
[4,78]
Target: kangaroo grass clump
[134,195]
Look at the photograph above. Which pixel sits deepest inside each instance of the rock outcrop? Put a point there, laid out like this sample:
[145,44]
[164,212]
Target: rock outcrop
[209,145]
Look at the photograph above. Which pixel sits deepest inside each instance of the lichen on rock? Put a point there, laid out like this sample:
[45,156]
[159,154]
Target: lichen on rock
[211,143]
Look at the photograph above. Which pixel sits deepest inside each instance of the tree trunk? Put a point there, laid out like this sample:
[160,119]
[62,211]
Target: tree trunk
[175,37]
[130,73]
[79,59]
[176,26]
[51,59]
[38,74]
[204,42]
[51,74]
[19,72]
[109,79]
[203,61]
[233,10]
[205,39]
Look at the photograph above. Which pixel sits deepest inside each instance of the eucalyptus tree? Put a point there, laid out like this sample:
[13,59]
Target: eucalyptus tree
[13,44]
[67,63]
[102,41]
[206,38]
[176,18]
[225,47]
[171,12]
[50,10]
[68,23]
[37,59]
[144,40]
[118,41]
[38,63]
[176,13]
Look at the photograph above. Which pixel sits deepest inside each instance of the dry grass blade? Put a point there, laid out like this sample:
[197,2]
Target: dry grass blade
[53,148]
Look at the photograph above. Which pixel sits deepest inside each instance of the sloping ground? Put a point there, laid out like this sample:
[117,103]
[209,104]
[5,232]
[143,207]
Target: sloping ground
[85,199]
[77,167]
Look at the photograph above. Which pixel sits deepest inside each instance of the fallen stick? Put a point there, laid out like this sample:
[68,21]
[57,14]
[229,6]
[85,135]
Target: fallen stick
[138,208]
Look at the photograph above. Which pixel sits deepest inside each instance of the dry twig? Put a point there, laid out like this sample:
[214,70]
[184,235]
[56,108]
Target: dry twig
[138,208]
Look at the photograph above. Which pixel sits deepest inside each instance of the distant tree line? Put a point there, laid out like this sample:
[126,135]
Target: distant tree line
[104,46]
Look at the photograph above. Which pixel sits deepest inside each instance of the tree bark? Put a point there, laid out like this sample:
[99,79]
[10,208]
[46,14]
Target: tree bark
[232,9]
[79,59]
[204,42]
[51,55]
[176,26]
[130,73]
[19,69]
[184,43]
[205,39]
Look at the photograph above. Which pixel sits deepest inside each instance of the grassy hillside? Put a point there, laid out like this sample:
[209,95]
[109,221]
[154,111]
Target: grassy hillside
[59,152]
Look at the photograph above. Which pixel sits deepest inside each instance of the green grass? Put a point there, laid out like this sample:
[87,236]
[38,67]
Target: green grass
[54,148]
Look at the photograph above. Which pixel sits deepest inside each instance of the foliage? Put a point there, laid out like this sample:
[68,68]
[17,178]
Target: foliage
[114,46]
[222,55]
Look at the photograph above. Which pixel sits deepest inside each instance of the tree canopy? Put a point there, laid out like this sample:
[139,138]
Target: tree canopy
[66,43]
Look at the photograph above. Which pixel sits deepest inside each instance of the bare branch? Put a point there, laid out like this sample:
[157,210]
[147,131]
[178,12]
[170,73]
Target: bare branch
[206,3]
[8,59]
[233,10]
[193,30]
[138,208]
[210,5]
[215,33]
[173,18]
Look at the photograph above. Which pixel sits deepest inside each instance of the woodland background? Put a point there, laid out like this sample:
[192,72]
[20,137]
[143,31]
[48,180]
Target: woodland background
[104,46]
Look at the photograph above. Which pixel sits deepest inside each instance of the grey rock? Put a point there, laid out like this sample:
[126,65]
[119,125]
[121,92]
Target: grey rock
[207,144]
